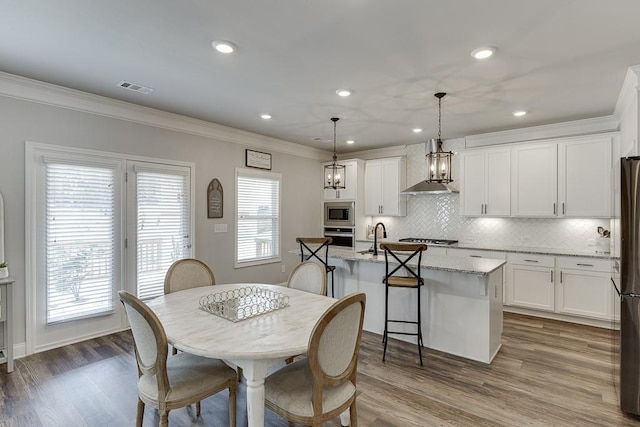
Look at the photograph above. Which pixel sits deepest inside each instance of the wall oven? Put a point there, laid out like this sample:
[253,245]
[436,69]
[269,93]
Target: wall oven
[339,214]
[343,237]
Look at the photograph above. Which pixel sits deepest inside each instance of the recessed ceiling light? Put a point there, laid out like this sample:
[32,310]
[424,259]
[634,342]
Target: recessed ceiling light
[224,46]
[350,141]
[344,92]
[265,116]
[483,52]
[519,113]
[417,130]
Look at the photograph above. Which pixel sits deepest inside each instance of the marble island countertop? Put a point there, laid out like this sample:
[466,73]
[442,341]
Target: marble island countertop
[587,253]
[476,266]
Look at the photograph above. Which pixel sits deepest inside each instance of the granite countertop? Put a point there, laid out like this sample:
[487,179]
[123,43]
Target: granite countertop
[521,249]
[476,266]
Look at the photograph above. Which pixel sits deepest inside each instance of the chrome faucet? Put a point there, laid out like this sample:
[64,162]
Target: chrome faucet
[375,237]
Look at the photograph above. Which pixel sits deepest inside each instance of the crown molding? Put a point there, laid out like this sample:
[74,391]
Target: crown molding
[25,89]
[379,153]
[628,92]
[556,130]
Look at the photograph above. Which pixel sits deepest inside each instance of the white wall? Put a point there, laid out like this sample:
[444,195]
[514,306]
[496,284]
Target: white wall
[22,120]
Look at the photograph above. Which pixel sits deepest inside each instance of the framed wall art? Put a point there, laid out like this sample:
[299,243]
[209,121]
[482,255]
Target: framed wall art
[215,194]
[257,159]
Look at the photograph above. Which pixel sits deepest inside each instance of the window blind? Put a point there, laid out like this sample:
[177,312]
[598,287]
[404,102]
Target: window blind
[163,224]
[258,217]
[80,240]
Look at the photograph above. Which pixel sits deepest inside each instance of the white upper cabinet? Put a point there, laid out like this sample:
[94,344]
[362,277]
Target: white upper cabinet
[384,179]
[534,172]
[584,177]
[485,188]
[351,182]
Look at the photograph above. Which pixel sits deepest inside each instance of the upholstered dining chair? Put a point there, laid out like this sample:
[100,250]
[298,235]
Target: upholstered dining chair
[321,387]
[187,273]
[168,383]
[309,276]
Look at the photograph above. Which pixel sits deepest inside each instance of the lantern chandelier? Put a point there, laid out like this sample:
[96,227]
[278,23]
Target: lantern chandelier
[438,164]
[438,160]
[334,173]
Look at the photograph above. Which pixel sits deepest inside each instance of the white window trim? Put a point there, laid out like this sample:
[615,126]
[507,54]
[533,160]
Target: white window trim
[260,174]
[34,151]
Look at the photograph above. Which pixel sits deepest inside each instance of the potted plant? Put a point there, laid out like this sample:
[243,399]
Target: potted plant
[4,270]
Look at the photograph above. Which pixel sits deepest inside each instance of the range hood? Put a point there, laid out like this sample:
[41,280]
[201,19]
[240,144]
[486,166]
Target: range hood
[425,187]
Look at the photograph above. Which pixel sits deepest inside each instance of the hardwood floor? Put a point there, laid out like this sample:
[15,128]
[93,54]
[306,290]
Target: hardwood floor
[547,373]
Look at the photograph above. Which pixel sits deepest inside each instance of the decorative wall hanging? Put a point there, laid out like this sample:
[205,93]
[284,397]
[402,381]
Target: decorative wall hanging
[215,195]
[257,159]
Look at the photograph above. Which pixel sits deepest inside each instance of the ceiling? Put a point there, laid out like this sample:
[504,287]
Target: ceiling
[559,60]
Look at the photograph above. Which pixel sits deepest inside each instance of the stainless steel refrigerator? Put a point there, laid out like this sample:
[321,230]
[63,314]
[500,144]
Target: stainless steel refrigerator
[629,289]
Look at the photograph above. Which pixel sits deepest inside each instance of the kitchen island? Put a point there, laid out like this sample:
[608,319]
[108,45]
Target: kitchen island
[461,300]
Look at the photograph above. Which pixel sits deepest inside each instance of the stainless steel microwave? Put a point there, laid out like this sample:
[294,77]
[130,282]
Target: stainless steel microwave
[339,214]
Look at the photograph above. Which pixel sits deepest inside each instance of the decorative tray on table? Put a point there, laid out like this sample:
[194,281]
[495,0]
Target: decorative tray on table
[243,303]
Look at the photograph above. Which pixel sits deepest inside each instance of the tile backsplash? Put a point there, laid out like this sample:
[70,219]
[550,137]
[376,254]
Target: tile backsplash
[438,216]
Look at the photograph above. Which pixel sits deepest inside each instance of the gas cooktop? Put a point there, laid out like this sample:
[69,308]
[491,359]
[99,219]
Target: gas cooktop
[441,242]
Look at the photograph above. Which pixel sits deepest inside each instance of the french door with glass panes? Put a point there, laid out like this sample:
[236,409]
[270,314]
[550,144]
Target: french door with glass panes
[102,223]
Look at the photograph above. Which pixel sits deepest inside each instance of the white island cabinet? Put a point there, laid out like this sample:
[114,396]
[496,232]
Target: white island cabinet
[461,300]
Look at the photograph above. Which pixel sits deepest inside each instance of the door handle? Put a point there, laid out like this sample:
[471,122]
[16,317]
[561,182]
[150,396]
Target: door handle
[563,210]
[554,208]
[585,265]
[531,260]
[560,276]
[551,276]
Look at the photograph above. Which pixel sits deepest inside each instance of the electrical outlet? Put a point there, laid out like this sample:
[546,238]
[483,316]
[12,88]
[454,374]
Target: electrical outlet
[282,268]
[220,228]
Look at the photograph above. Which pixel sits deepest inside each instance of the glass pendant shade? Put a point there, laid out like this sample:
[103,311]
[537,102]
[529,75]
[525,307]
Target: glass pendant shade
[334,173]
[439,165]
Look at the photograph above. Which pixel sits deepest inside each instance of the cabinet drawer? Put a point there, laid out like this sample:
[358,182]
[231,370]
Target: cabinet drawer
[532,259]
[591,264]
[473,253]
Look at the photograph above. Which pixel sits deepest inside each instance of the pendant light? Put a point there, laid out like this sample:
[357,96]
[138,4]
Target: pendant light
[334,173]
[438,160]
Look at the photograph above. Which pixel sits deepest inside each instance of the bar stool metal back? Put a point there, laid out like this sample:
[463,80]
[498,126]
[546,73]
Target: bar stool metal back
[312,248]
[412,279]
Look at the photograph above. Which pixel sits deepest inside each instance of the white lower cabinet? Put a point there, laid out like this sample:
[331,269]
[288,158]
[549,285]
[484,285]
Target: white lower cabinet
[584,288]
[530,281]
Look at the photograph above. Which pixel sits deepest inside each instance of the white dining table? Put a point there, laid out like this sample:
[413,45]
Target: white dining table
[254,344]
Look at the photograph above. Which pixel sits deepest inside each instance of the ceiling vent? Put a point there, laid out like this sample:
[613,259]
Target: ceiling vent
[134,87]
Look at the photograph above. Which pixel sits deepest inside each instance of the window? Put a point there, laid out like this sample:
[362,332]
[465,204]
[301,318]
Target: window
[98,223]
[79,240]
[163,224]
[258,217]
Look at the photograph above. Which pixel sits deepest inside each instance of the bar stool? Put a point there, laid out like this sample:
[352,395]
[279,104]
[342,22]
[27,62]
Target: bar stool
[312,246]
[412,280]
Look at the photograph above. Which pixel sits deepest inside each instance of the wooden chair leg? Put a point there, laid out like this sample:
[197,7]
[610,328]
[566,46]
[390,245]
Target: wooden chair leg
[198,409]
[289,360]
[140,413]
[239,373]
[164,418]
[354,415]
[232,405]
